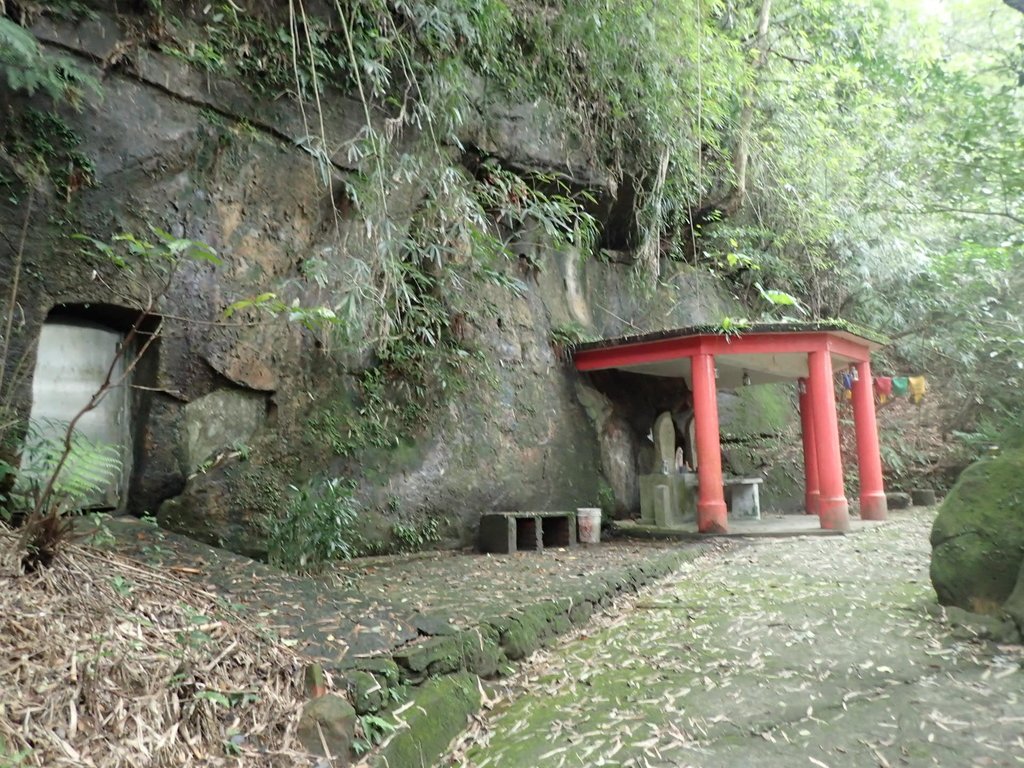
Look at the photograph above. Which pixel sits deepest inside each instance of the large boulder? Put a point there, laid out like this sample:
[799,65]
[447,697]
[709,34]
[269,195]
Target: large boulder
[978,536]
[1013,609]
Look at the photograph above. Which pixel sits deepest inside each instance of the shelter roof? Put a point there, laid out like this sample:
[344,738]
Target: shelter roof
[750,352]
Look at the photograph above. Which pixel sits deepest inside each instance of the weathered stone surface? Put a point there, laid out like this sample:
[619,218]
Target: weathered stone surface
[525,634]
[898,500]
[621,449]
[368,695]
[481,651]
[220,421]
[434,624]
[223,506]
[434,656]
[922,497]
[315,681]
[978,537]
[1013,608]
[664,432]
[697,613]
[381,667]
[763,410]
[242,364]
[329,720]
[202,157]
[971,626]
[581,612]
[440,712]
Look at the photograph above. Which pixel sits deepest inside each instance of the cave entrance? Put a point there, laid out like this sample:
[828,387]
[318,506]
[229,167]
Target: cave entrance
[72,362]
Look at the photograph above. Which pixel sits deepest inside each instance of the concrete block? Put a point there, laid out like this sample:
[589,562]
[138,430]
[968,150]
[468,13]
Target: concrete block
[923,497]
[897,500]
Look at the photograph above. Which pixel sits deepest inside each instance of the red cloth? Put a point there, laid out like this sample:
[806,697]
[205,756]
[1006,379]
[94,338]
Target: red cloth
[883,386]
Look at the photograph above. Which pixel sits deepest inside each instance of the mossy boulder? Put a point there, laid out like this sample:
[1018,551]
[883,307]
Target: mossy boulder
[481,650]
[368,695]
[328,721]
[523,636]
[978,537]
[433,656]
[442,708]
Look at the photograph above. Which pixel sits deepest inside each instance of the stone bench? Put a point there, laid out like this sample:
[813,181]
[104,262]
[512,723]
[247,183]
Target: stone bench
[745,497]
[509,532]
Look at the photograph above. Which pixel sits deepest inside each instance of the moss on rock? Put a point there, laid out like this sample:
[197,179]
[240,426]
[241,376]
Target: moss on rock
[328,721]
[1012,437]
[524,634]
[978,537]
[1013,608]
[434,656]
[481,651]
[368,695]
[442,707]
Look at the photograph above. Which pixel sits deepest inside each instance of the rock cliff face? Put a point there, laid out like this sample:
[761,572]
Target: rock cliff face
[228,414]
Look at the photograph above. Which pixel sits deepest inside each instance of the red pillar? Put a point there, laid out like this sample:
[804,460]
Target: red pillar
[711,513]
[832,506]
[812,488]
[873,505]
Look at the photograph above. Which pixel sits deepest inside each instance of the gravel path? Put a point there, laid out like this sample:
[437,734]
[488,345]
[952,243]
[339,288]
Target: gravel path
[794,652]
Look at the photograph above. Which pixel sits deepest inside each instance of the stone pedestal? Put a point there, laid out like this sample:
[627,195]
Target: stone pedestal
[668,501]
[745,500]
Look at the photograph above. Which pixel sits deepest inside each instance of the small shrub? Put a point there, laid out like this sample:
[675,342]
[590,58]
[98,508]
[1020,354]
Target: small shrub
[564,339]
[606,500]
[414,536]
[318,527]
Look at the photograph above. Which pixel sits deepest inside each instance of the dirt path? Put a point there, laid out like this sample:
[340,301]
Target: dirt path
[796,652]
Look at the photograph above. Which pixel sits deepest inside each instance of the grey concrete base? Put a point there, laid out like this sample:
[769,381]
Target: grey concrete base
[668,500]
[774,526]
[744,497]
[509,532]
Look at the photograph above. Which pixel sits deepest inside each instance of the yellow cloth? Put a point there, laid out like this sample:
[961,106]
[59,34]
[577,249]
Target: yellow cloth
[918,387]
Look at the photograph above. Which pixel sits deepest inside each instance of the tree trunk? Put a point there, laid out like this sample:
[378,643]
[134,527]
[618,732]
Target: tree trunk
[737,196]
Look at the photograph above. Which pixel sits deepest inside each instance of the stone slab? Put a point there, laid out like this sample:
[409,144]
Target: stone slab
[745,500]
[774,526]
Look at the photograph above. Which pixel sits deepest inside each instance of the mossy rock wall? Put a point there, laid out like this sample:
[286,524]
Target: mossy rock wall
[760,429]
[978,537]
[202,157]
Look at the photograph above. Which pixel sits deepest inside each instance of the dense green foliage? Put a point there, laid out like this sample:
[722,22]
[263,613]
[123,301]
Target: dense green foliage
[318,526]
[26,67]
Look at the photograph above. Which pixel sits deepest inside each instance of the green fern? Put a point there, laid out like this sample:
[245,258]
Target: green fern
[26,67]
[90,469]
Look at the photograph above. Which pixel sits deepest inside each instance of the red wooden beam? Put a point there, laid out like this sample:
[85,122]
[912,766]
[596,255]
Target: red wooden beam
[625,355]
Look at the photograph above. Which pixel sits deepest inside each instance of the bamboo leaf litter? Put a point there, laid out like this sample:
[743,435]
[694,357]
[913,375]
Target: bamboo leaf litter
[806,651]
[108,663]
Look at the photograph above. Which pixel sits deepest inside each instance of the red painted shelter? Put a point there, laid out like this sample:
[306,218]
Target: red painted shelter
[708,358]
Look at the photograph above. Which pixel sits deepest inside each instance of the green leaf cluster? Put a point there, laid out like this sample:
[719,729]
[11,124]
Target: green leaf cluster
[84,477]
[26,67]
[317,527]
